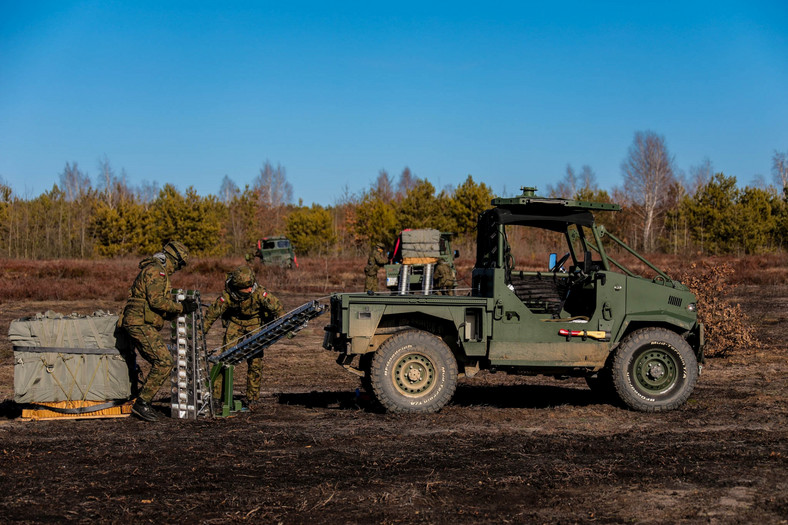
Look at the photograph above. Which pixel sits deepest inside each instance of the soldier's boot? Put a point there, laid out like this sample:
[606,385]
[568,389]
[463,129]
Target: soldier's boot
[143,410]
[244,403]
[253,401]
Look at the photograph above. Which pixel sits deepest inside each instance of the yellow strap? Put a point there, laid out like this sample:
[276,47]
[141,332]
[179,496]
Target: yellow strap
[90,384]
[57,382]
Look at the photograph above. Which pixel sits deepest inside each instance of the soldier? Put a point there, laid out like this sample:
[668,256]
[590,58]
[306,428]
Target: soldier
[377,259]
[243,307]
[150,303]
[443,278]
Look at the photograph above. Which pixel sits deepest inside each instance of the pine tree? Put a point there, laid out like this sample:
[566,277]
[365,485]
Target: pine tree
[311,230]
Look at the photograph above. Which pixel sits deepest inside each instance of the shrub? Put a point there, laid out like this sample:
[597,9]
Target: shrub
[728,329]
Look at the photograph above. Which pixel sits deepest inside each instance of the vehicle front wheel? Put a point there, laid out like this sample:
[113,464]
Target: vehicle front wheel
[413,371]
[654,370]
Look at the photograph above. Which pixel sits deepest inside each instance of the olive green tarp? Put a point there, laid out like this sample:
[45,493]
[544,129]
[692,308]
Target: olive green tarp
[69,358]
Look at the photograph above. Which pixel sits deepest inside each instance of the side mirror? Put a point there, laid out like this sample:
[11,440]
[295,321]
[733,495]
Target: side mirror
[552,261]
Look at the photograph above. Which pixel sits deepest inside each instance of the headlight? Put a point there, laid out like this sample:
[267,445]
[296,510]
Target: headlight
[692,307]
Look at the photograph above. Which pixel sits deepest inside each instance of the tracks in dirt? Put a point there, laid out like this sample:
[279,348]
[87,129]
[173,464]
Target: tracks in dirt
[507,449]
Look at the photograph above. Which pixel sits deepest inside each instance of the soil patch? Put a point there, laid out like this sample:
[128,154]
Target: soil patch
[507,449]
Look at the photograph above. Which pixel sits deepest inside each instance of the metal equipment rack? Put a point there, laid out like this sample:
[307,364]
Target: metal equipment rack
[190,392]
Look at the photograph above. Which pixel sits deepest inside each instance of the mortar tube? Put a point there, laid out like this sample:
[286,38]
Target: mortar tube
[404,280]
[427,279]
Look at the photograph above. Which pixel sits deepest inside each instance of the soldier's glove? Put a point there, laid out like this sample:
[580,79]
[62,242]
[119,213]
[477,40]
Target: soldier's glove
[190,305]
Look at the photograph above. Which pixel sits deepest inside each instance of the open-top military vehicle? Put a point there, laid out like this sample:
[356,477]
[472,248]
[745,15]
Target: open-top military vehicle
[635,337]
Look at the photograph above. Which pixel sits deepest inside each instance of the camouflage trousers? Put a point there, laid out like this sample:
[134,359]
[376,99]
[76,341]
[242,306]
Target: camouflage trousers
[151,347]
[254,367]
[371,281]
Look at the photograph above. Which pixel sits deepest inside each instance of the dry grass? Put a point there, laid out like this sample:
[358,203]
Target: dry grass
[69,279]
[65,279]
[762,270]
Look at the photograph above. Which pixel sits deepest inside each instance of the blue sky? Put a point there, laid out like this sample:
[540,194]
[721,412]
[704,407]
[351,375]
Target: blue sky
[510,92]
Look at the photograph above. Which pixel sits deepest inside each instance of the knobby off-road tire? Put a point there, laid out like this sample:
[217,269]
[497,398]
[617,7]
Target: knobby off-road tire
[654,370]
[413,371]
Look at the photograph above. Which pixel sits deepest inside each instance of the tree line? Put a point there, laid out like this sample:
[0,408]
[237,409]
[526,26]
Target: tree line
[77,220]
[663,209]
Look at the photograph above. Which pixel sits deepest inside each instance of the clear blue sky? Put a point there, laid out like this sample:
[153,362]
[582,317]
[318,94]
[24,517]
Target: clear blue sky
[510,92]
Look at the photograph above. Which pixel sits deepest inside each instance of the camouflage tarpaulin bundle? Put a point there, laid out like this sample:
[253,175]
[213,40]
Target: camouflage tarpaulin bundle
[421,243]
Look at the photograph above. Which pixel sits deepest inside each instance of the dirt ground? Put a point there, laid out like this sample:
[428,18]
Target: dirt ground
[506,450]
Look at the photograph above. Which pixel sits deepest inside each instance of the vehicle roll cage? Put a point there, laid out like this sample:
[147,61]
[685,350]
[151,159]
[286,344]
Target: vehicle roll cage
[558,215]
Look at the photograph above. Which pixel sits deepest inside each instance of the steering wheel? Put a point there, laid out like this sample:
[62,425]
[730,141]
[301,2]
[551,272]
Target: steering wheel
[560,263]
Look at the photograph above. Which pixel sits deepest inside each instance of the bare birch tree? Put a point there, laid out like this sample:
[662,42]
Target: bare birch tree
[383,187]
[648,174]
[780,169]
[699,176]
[273,194]
[407,181]
[147,192]
[574,184]
[272,186]
[106,181]
[74,183]
[228,190]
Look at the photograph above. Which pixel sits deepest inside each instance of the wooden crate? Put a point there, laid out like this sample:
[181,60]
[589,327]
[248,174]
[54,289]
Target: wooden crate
[419,260]
[39,411]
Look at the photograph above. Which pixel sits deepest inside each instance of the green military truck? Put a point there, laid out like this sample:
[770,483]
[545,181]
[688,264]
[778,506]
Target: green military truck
[277,251]
[637,338]
[415,269]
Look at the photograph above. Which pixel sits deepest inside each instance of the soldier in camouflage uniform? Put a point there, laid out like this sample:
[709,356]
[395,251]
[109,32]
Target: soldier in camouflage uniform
[443,278]
[243,308]
[377,259]
[150,303]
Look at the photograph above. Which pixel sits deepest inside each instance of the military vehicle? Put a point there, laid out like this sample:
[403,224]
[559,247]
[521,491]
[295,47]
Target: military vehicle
[584,314]
[276,251]
[416,271]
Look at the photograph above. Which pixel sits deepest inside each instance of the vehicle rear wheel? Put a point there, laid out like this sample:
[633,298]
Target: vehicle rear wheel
[413,371]
[654,370]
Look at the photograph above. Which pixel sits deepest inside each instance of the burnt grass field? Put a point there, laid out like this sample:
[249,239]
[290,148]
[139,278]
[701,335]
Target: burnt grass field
[507,449]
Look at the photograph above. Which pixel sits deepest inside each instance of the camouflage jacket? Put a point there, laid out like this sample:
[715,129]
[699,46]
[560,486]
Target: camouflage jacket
[377,259]
[259,308]
[150,297]
[443,278]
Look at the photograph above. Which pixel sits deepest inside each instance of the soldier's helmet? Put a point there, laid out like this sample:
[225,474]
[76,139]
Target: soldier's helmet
[240,279]
[178,251]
